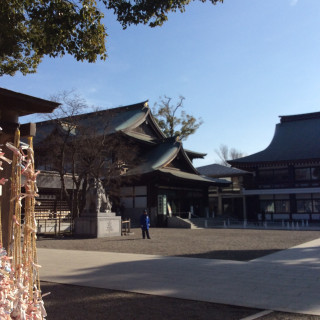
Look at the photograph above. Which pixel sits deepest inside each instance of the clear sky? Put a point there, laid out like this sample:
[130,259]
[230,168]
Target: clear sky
[239,65]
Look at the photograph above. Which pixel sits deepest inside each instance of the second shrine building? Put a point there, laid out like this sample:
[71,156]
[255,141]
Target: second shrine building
[284,183]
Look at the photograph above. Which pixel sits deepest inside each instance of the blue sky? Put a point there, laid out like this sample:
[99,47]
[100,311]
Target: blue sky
[239,65]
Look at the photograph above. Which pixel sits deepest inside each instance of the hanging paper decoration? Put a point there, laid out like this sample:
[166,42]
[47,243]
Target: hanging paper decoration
[20,294]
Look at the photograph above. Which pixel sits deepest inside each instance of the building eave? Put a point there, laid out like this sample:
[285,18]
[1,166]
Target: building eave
[23,104]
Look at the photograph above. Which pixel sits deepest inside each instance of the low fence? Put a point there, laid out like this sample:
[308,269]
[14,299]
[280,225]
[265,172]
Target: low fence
[54,225]
[185,215]
[60,225]
[125,227]
[252,224]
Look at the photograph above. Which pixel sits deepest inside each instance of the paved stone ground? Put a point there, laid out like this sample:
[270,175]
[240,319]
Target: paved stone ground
[74,302]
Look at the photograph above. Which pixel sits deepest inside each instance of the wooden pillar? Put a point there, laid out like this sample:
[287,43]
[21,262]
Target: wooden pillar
[12,106]
[244,208]
[6,190]
[220,209]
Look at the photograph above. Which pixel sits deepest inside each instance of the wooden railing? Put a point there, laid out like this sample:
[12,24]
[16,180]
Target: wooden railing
[126,227]
[54,224]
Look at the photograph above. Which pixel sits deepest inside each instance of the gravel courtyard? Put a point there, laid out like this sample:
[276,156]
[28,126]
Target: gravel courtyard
[74,302]
[227,244]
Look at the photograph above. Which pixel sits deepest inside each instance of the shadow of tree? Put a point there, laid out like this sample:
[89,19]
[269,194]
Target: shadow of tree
[235,255]
[220,281]
[68,302]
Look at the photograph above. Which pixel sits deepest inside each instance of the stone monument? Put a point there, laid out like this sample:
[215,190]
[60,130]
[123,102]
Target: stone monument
[97,219]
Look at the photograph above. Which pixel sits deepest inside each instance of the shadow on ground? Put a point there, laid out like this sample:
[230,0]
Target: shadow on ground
[241,283]
[235,255]
[68,302]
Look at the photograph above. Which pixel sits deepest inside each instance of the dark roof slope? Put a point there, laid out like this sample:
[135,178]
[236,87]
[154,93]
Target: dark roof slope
[105,121]
[157,160]
[162,152]
[296,138]
[159,156]
[218,170]
[23,104]
[124,119]
[297,117]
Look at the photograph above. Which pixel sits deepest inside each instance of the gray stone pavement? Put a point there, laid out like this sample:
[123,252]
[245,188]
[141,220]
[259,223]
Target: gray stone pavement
[287,281]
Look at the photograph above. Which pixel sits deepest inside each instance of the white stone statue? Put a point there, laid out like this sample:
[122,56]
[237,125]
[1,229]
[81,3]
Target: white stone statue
[96,198]
[108,204]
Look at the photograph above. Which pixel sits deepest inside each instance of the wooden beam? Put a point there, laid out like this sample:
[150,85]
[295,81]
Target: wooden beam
[28,129]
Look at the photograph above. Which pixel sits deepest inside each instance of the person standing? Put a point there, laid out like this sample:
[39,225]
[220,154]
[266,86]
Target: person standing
[145,224]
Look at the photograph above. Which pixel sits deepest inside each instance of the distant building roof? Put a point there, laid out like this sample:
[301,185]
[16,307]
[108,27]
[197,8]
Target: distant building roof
[218,170]
[195,177]
[296,138]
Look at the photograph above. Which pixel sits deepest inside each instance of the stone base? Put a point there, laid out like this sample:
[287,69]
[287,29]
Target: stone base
[99,225]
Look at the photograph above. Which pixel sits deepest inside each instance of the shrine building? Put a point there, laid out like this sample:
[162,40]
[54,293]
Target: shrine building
[163,179]
[285,180]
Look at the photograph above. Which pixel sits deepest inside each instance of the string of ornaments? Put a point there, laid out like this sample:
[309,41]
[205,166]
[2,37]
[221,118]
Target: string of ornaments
[20,293]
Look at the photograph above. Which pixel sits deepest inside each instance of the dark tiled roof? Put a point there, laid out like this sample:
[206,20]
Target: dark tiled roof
[297,117]
[217,170]
[162,150]
[104,122]
[296,138]
[162,154]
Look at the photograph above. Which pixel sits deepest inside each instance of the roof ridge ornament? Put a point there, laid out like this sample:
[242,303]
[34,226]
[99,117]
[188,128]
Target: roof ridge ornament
[146,104]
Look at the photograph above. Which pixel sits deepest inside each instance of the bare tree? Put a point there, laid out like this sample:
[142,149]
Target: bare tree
[172,122]
[81,148]
[225,154]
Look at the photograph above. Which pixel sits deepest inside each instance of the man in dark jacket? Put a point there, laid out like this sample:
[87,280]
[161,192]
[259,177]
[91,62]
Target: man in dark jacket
[145,224]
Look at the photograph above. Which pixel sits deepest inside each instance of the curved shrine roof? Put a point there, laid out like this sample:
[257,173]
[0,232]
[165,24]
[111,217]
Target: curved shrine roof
[104,122]
[161,155]
[126,120]
[296,138]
